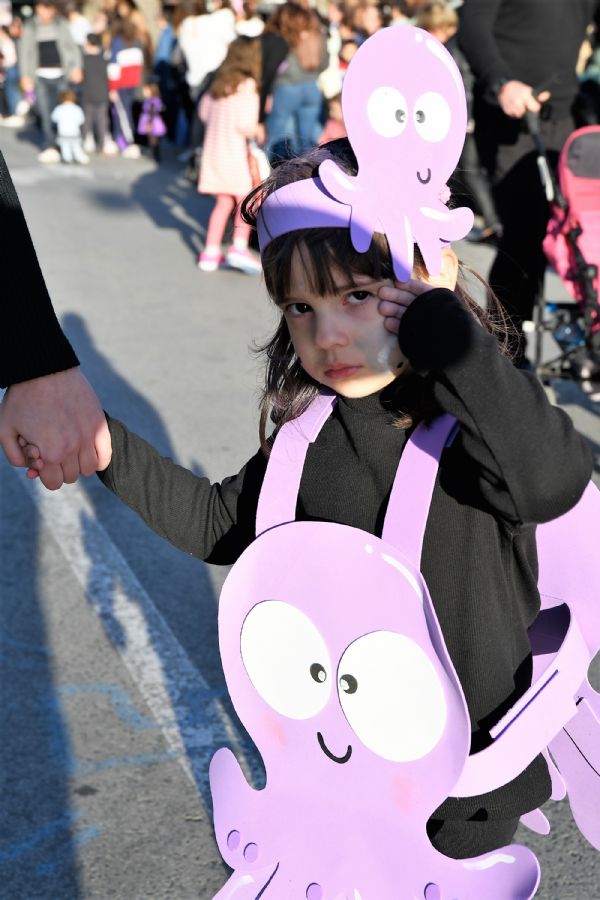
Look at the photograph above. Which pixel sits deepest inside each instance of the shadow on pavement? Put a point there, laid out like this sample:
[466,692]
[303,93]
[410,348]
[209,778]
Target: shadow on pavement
[39,830]
[178,585]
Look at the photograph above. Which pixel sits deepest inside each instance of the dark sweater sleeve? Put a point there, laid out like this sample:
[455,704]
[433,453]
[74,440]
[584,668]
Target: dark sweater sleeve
[477,41]
[533,464]
[213,522]
[32,342]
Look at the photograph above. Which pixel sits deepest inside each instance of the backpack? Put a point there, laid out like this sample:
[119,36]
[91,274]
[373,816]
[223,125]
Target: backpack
[309,51]
[337,667]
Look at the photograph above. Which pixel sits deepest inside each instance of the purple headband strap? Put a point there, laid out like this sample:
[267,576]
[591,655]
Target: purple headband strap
[302,204]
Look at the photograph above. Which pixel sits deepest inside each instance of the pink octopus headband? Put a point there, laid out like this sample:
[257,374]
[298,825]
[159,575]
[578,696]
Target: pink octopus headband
[404,108]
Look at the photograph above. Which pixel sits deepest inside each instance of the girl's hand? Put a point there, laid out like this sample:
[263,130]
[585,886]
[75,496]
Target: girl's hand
[34,461]
[395,299]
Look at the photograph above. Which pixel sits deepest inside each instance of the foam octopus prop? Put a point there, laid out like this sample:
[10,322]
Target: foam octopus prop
[404,108]
[341,677]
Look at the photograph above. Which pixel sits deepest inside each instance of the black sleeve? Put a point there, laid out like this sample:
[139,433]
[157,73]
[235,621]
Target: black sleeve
[534,465]
[213,522]
[477,42]
[274,50]
[32,343]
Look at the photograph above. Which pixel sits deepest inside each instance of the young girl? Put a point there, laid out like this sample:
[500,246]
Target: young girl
[395,354]
[230,110]
[151,123]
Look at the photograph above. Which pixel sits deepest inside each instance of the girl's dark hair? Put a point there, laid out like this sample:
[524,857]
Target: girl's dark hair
[288,390]
[243,60]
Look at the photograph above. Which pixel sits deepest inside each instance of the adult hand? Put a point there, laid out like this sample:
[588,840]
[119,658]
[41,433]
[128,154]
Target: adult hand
[394,300]
[76,76]
[26,84]
[516,98]
[60,414]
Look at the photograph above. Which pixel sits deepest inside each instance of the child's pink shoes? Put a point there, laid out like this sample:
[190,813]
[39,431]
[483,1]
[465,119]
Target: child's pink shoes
[210,260]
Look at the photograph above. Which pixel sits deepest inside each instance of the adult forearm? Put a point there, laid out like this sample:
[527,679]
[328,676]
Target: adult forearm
[32,342]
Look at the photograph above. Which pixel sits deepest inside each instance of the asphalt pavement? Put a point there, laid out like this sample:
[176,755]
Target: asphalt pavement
[111,693]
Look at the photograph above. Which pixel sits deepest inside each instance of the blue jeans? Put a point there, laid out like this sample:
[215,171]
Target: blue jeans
[295,119]
[47,94]
[12,93]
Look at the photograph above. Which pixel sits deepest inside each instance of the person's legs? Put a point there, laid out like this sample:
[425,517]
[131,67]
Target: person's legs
[212,255]
[309,116]
[11,89]
[472,178]
[281,122]
[66,149]
[47,92]
[507,150]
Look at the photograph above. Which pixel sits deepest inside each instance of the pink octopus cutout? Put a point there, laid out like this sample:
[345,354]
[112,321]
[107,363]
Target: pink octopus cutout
[342,679]
[405,112]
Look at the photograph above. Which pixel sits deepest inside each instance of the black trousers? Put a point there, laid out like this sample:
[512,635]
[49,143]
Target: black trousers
[507,151]
[460,839]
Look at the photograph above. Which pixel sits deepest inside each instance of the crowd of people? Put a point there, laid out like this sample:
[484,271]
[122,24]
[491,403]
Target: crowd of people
[237,87]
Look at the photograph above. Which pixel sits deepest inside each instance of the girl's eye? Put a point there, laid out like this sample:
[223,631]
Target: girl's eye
[298,309]
[357,297]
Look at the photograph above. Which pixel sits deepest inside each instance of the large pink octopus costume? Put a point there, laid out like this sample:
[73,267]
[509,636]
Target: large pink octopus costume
[330,645]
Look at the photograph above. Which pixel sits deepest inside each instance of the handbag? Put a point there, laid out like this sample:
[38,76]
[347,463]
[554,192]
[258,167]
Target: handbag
[258,163]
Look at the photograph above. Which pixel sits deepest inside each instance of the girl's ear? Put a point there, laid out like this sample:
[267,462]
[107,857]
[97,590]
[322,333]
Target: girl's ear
[449,274]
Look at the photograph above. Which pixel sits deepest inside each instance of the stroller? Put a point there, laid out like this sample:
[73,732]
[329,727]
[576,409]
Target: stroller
[572,246]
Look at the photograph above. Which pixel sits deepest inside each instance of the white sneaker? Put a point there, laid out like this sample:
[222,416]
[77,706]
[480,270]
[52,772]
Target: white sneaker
[89,145]
[110,147]
[131,152]
[13,122]
[243,260]
[49,155]
[82,158]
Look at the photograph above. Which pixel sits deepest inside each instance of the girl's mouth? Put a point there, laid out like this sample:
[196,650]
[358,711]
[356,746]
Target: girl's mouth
[334,372]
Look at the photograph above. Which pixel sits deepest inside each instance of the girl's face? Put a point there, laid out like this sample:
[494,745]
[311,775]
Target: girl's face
[340,337]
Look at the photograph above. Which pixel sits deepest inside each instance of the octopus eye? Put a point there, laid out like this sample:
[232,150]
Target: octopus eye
[349,684]
[278,644]
[387,111]
[400,711]
[432,117]
[318,673]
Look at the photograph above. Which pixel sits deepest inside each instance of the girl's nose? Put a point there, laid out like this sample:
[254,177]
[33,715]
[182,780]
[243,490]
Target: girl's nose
[329,331]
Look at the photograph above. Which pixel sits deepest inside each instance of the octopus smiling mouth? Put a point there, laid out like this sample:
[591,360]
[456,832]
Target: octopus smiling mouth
[427,178]
[327,751]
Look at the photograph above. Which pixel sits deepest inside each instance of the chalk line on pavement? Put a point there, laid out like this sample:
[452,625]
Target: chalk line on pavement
[165,676]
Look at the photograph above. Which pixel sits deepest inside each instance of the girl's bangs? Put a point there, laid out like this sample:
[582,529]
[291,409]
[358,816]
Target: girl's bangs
[322,251]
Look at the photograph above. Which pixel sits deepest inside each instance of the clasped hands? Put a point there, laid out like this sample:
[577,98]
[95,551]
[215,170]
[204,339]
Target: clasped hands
[55,427]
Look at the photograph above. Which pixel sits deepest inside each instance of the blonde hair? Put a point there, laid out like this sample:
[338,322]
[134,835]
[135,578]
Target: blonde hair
[437,16]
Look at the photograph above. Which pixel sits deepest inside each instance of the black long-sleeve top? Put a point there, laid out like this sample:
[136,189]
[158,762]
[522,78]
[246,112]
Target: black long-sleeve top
[534,41]
[517,461]
[32,342]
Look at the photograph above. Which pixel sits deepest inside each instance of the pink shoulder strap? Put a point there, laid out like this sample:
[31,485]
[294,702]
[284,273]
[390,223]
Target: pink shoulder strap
[411,492]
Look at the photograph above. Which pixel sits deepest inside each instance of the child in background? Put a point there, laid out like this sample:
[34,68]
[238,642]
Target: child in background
[125,73]
[394,354]
[151,123]
[230,111]
[334,126]
[68,118]
[94,94]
